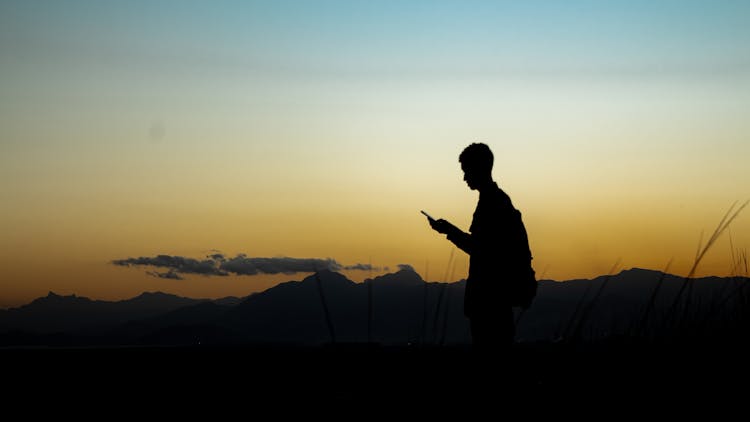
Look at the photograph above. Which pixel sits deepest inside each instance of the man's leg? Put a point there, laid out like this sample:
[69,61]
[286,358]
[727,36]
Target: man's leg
[494,330]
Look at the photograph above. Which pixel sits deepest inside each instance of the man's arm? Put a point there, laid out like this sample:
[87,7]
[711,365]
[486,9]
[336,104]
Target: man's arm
[462,240]
[455,235]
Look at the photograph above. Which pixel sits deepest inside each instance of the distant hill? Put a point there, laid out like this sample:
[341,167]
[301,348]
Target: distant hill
[396,308]
[621,302]
[294,312]
[55,313]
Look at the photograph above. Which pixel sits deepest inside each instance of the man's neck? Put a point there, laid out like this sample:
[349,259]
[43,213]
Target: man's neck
[486,185]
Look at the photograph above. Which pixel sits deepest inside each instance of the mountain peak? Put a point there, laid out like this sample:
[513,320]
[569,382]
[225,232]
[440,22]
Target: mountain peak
[639,270]
[328,277]
[53,295]
[157,294]
[158,299]
[53,299]
[405,276]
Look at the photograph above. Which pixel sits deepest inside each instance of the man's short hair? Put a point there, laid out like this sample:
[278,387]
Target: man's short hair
[477,156]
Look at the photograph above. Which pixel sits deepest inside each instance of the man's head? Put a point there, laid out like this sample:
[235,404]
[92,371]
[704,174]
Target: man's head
[476,162]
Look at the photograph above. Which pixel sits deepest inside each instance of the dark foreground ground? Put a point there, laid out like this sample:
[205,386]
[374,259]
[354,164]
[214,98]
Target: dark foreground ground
[549,378]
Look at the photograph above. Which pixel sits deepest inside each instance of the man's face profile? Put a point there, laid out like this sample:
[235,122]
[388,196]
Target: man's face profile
[470,176]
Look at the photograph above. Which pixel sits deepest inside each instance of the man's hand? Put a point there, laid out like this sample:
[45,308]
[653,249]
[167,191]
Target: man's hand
[442,226]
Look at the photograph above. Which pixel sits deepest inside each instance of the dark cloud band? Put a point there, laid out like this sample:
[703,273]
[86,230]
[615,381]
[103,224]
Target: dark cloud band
[171,274]
[243,265]
[217,264]
[176,264]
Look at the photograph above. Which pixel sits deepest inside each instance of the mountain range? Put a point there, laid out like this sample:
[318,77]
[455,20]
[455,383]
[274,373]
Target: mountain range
[397,308]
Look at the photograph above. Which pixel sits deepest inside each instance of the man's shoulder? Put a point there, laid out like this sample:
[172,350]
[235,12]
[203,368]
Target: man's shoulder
[498,198]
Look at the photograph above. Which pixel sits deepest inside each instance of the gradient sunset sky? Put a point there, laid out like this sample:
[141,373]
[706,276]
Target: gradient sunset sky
[319,129]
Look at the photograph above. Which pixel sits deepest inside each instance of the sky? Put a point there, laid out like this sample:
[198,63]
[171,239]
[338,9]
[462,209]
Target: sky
[313,132]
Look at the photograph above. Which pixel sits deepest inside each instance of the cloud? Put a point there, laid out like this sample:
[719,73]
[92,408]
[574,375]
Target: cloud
[175,263]
[216,256]
[361,267]
[171,274]
[243,265]
[218,264]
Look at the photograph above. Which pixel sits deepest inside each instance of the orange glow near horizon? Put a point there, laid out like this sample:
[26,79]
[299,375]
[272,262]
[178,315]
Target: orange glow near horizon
[309,132]
[61,257]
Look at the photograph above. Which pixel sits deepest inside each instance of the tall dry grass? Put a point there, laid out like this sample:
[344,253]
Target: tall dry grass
[686,315]
[682,305]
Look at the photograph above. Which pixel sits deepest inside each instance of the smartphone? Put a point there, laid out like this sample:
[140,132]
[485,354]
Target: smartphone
[426,215]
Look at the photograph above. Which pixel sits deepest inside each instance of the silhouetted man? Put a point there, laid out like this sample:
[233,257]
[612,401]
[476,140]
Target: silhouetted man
[492,243]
